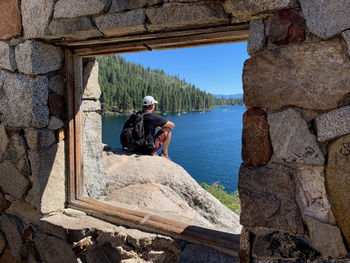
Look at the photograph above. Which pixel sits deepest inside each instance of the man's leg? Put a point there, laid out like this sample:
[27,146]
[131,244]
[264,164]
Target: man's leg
[159,140]
[166,142]
[163,137]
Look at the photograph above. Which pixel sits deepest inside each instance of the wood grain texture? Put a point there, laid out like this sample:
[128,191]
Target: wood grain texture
[211,36]
[70,117]
[78,94]
[242,29]
[226,242]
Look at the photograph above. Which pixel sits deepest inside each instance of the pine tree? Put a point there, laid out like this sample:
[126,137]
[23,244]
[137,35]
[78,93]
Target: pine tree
[124,84]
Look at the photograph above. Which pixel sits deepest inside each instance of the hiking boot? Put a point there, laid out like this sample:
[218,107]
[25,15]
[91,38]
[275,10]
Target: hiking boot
[165,155]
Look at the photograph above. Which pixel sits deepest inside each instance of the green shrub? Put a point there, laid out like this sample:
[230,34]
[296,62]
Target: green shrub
[229,200]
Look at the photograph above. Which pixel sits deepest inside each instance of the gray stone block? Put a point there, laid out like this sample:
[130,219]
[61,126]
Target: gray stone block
[79,28]
[57,85]
[73,8]
[256,40]
[282,245]
[54,250]
[39,139]
[55,123]
[73,213]
[94,254]
[38,58]
[297,75]
[311,196]
[243,10]
[91,105]
[2,243]
[310,193]
[245,241]
[48,177]
[172,16]
[4,139]
[119,24]
[7,57]
[333,124]
[23,100]
[155,2]
[198,253]
[36,15]
[92,88]
[30,198]
[15,185]
[267,199]
[17,153]
[326,238]
[94,177]
[291,139]
[13,229]
[120,5]
[346,36]
[326,19]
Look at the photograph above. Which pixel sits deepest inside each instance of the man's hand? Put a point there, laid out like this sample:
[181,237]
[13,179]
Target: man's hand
[169,124]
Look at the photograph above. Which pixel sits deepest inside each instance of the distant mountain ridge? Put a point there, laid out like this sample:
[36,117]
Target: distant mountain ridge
[232,96]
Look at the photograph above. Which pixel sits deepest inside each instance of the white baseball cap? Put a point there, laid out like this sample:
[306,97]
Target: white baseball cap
[149,100]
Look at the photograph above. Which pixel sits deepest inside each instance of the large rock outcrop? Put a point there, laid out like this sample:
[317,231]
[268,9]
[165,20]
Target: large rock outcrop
[157,185]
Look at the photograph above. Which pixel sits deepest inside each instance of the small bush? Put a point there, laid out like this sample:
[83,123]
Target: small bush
[229,200]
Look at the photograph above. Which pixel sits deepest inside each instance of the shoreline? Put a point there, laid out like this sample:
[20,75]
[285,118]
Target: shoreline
[115,113]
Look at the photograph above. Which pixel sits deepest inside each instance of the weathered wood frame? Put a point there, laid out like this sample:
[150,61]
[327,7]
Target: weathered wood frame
[75,51]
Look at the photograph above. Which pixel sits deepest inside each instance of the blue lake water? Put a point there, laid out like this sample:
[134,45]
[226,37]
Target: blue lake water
[206,144]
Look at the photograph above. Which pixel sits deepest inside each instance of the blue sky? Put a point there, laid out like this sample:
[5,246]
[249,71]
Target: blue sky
[216,69]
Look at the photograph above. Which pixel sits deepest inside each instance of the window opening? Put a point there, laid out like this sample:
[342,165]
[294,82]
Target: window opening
[79,105]
[206,140]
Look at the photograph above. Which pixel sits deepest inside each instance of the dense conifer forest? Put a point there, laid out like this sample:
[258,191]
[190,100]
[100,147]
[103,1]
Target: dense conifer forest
[124,84]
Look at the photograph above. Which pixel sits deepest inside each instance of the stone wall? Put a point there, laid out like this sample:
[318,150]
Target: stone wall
[294,183]
[295,201]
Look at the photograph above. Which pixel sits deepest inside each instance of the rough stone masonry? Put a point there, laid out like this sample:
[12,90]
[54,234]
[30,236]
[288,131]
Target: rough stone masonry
[295,180]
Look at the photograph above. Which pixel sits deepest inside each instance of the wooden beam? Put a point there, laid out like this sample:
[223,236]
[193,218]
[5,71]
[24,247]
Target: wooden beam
[242,27]
[70,117]
[78,127]
[227,242]
[203,38]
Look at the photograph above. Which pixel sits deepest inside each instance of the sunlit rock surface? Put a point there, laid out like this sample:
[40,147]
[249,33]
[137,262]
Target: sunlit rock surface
[161,187]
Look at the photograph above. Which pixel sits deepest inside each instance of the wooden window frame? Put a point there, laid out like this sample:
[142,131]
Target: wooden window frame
[74,53]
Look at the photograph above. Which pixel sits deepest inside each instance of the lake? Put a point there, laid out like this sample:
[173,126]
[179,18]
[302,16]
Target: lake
[206,144]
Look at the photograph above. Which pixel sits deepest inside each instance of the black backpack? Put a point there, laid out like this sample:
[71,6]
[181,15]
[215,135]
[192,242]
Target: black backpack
[133,133]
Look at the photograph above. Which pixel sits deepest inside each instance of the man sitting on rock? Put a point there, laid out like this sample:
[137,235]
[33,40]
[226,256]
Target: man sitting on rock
[152,121]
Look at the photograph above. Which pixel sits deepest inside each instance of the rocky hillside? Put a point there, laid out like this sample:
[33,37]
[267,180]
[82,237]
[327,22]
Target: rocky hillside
[159,186]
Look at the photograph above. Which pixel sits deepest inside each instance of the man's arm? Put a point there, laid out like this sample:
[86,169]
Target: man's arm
[167,127]
[169,124]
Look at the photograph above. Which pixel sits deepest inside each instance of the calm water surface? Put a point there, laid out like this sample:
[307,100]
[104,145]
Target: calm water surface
[206,144]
